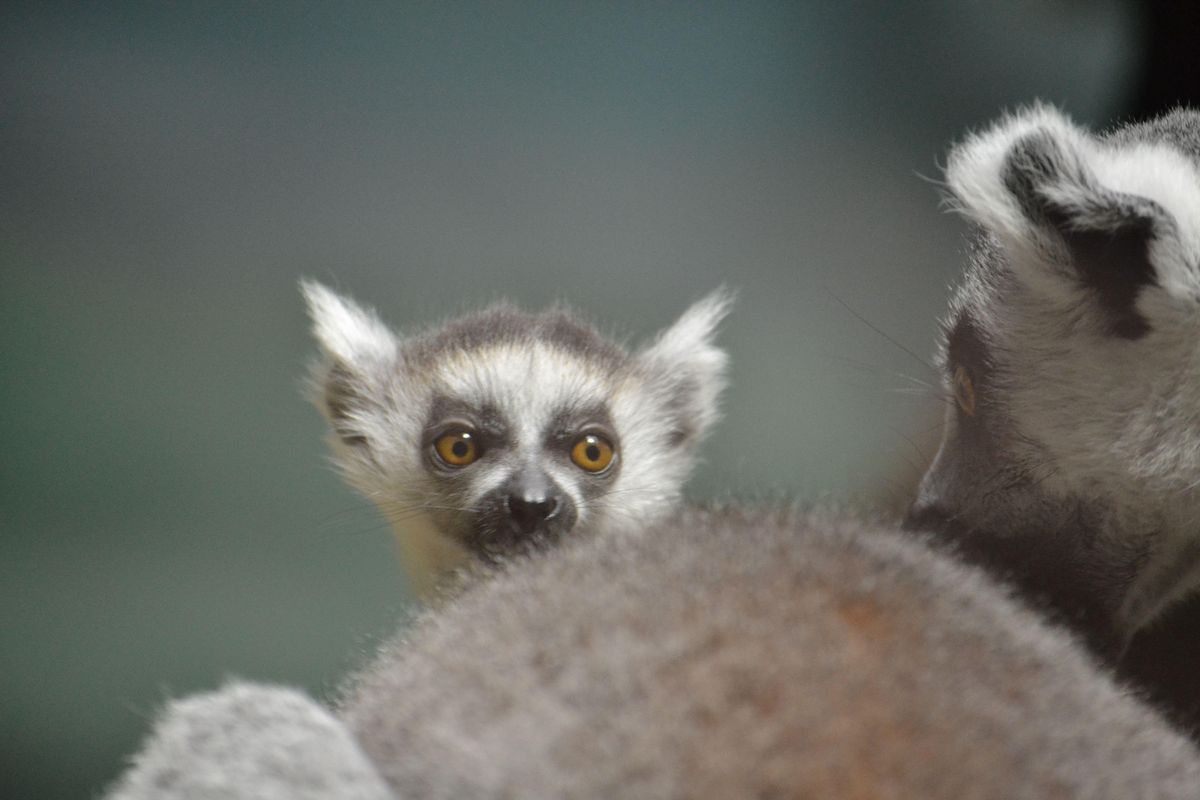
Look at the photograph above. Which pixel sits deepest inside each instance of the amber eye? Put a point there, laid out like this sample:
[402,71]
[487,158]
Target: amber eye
[592,453]
[457,448]
[964,391]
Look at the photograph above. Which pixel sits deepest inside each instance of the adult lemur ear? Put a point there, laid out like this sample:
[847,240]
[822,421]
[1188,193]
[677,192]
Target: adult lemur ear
[357,349]
[685,370]
[1111,217]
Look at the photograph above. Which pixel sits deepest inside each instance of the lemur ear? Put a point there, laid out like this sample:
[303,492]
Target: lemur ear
[1110,216]
[686,370]
[345,330]
[356,346]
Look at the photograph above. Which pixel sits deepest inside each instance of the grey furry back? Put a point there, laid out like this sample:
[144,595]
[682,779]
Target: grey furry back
[736,655]
[249,741]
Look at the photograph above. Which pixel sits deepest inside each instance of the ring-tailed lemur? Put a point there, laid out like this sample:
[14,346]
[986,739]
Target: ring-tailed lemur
[1071,457]
[761,655]
[503,429]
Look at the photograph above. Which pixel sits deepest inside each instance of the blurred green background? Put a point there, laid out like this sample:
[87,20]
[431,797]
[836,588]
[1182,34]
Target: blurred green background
[168,517]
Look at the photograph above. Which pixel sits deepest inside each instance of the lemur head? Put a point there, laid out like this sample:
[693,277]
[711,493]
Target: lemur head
[1072,352]
[508,429]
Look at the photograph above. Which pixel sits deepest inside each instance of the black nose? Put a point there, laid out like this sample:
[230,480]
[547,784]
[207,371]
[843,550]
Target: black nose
[528,513]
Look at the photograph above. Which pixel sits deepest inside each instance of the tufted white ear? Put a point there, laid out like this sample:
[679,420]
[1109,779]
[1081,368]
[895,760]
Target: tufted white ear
[686,370]
[1110,215]
[359,352]
[346,331]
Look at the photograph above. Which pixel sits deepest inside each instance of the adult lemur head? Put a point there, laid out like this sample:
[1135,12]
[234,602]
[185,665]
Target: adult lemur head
[503,429]
[1072,452]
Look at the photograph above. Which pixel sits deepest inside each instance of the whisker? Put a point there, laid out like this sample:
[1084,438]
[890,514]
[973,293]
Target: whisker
[880,331]
[921,457]
[881,370]
[940,397]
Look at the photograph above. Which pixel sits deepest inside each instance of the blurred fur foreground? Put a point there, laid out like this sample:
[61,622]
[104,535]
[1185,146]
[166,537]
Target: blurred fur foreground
[727,654]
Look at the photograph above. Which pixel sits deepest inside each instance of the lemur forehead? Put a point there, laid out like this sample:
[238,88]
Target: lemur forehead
[483,414]
[567,418]
[503,325]
[979,286]
[529,384]
[1180,129]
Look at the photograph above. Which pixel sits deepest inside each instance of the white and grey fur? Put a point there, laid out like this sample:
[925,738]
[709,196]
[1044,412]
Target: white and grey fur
[1078,323]
[527,386]
[728,654]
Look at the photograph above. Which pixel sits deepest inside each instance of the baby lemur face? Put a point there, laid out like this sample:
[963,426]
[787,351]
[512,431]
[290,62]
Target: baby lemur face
[519,442]
[1072,355]
[505,429]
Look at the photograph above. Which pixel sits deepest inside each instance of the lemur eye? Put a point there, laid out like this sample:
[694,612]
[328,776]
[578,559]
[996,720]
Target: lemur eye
[592,453]
[457,448]
[964,391]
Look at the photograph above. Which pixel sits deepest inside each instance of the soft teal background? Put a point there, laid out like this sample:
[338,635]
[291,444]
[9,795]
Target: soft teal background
[168,171]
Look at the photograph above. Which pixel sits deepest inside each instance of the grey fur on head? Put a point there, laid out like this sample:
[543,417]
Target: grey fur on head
[1073,350]
[520,391]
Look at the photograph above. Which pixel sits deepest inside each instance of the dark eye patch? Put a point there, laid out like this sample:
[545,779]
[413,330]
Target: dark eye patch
[568,421]
[969,364]
[564,432]
[485,420]
[965,347]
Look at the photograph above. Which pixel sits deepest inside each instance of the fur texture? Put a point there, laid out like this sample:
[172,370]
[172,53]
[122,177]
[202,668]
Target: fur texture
[750,655]
[1076,335]
[524,388]
[250,741]
[729,654]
